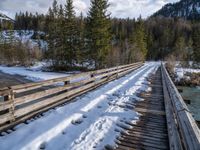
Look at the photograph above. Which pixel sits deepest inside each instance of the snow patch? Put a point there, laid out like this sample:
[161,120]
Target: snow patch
[180,72]
[32,73]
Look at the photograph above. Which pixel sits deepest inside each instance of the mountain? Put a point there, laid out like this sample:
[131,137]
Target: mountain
[3,17]
[187,9]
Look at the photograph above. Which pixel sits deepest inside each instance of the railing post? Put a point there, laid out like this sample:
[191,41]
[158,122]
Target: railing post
[66,82]
[117,76]
[10,97]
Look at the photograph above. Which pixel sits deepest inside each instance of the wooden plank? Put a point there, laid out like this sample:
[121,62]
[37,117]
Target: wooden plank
[38,95]
[174,137]
[145,137]
[121,146]
[147,129]
[4,91]
[142,110]
[32,86]
[115,68]
[78,77]
[159,128]
[117,71]
[189,130]
[53,99]
[141,138]
[64,79]
[144,134]
[143,143]
[5,118]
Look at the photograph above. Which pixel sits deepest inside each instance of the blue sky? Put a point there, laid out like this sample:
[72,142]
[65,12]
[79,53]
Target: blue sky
[118,8]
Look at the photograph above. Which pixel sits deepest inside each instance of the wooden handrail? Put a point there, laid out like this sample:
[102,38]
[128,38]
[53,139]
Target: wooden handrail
[35,85]
[23,101]
[182,128]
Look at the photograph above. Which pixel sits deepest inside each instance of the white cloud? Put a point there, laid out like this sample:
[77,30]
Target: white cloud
[118,8]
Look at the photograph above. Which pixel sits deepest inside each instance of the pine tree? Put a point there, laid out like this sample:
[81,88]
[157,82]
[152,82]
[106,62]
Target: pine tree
[138,43]
[70,32]
[55,8]
[180,49]
[80,54]
[196,43]
[52,36]
[61,37]
[150,53]
[98,32]
[140,38]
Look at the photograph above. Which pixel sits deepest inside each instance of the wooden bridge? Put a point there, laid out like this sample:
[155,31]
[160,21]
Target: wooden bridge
[166,122]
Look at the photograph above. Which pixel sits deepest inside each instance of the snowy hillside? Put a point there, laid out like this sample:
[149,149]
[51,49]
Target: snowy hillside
[188,9]
[4,17]
[23,36]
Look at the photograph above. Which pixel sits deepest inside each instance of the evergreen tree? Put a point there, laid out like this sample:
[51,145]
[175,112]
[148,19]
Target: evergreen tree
[98,32]
[52,36]
[150,53]
[139,39]
[70,32]
[61,37]
[80,54]
[196,43]
[180,49]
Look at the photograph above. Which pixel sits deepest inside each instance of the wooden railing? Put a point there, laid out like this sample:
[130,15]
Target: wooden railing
[21,102]
[183,131]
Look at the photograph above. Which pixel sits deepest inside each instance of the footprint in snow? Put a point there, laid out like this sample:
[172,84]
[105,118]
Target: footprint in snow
[84,116]
[3,134]
[99,106]
[64,132]
[9,131]
[77,122]
[43,145]
[109,103]
[116,95]
[100,127]
[109,147]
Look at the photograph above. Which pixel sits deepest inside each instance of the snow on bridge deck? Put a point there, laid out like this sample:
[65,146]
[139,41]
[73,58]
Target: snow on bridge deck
[87,123]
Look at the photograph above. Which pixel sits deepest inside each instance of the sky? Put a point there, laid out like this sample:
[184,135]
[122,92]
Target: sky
[118,8]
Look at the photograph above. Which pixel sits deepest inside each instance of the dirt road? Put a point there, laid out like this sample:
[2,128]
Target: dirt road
[9,80]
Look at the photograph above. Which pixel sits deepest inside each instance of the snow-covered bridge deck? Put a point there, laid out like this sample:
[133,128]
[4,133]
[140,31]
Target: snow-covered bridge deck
[105,117]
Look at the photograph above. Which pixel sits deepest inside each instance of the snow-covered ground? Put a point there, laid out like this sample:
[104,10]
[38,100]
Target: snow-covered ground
[23,36]
[181,72]
[92,121]
[4,17]
[33,73]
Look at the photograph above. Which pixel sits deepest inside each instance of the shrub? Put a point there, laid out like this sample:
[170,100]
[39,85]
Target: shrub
[18,53]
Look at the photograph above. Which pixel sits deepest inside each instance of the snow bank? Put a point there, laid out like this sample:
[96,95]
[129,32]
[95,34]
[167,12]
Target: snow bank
[93,121]
[181,72]
[33,73]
